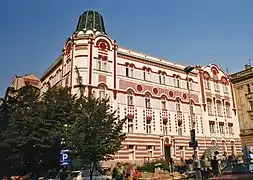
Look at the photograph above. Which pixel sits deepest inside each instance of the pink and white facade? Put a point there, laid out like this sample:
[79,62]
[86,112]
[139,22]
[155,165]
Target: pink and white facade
[153,93]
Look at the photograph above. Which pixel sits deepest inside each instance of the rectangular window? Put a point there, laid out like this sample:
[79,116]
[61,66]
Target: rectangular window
[148,127]
[163,103]
[104,66]
[207,84]
[163,79]
[160,79]
[102,94]
[150,151]
[165,128]
[131,74]
[219,109]
[99,64]
[230,129]
[129,100]
[212,127]
[216,86]
[251,105]
[131,149]
[221,126]
[144,75]
[180,132]
[248,87]
[127,71]
[147,102]
[130,126]
[67,81]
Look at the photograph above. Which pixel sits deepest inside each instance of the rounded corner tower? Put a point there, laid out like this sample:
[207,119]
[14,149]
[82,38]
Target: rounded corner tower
[91,20]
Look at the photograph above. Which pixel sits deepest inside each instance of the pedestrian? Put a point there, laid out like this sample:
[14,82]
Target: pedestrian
[136,174]
[204,169]
[215,166]
[117,173]
[181,166]
[128,171]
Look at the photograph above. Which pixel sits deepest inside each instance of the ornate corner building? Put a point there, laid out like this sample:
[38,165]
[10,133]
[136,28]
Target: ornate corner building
[243,84]
[152,92]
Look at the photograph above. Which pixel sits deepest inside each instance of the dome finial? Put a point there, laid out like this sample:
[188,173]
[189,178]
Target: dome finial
[91,20]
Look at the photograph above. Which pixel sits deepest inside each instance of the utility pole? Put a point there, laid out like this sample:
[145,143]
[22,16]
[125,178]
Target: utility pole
[193,143]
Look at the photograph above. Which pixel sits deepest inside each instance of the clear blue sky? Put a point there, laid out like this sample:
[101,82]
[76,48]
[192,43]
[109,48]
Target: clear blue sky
[189,32]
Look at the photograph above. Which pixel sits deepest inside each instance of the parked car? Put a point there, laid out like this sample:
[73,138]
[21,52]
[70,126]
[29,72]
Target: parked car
[85,175]
[239,171]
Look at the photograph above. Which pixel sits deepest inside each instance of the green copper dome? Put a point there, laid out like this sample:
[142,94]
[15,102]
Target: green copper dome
[91,20]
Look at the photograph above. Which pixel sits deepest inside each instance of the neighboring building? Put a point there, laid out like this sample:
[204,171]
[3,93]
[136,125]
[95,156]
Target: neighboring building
[20,81]
[243,84]
[152,92]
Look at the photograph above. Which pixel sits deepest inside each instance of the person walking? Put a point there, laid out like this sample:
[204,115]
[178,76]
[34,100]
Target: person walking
[204,169]
[117,173]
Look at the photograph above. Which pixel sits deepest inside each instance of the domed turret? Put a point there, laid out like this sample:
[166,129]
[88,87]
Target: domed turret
[91,20]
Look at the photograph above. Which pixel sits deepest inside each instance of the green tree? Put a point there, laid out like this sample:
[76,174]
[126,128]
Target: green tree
[58,112]
[96,134]
[28,132]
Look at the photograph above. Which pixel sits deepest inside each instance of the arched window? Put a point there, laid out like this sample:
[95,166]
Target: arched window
[130,98]
[178,106]
[209,107]
[219,108]
[228,109]
[162,78]
[207,84]
[102,92]
[147,101]
[163,103]
[177,82]
[225,88]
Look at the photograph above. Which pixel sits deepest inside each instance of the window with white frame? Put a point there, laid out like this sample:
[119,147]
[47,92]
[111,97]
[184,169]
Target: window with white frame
[102,92]
[212,127]
[162,78]
[144,75]
[221,127]
[130,128]
[165,127]
[130,98]
[99,64]
[104,66]
[233,148]
[131,149]
[209,107]
[150,151]
[148,75]
[216,86]
[180,130]
[225,88]
[207,84]
[219,108]
[190,84]
[228,109]
[148,126]
[147,101]
[129,71]
[178,105]
[177,82]
[230,129]
[163,103]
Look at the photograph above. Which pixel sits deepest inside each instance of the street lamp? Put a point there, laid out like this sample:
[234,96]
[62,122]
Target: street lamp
[193,143]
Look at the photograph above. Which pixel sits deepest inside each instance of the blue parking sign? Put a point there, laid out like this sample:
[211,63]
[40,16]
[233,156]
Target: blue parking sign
[65,157]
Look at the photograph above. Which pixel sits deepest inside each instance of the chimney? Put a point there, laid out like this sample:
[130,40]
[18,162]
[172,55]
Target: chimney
[247,66]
